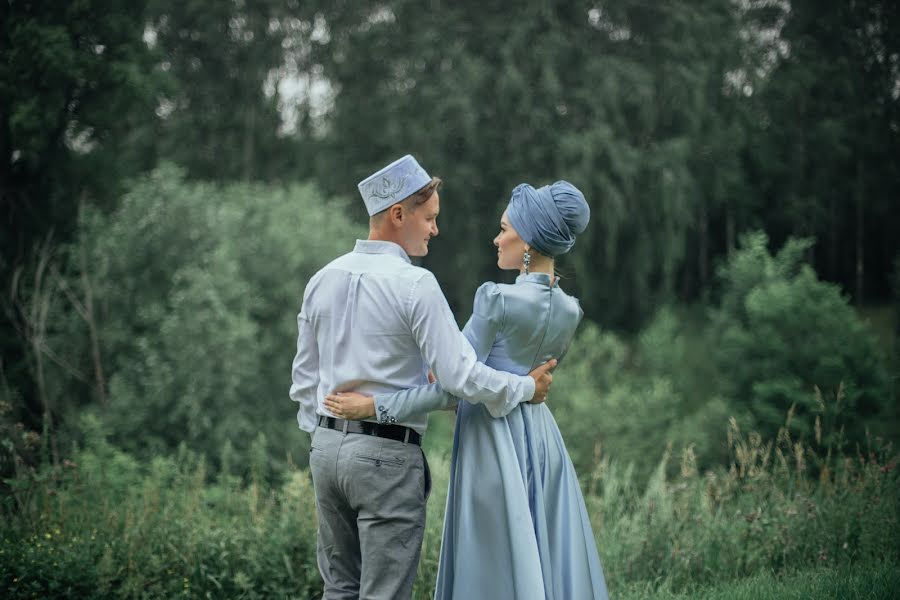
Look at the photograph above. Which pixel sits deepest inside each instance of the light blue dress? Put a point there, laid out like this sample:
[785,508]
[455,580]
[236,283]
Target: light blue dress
[515,525]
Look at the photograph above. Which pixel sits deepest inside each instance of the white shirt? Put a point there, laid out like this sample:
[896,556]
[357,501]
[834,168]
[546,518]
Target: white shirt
[371,322]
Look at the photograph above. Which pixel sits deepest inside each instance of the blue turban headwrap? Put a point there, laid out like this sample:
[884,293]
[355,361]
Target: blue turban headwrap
[548,218]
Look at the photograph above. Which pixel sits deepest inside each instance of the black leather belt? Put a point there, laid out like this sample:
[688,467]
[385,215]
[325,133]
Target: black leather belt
[391,432]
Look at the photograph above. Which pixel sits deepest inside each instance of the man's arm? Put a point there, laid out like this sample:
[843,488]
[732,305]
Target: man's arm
[452,358]
[305,373]
[480,333]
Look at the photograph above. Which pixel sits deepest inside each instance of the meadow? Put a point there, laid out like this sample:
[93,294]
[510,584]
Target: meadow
[783,516]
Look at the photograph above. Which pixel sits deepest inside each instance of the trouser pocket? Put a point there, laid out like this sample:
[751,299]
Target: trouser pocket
[427,475]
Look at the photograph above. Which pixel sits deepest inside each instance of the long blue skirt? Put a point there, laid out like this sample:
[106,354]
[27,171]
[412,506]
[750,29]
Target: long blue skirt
[516,525]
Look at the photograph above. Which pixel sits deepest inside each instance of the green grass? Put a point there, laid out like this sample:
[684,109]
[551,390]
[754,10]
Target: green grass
[781,522]
[864,582]
[783,518]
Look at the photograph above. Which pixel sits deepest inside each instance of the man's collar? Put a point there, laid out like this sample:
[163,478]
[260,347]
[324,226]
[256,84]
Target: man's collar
[381,247]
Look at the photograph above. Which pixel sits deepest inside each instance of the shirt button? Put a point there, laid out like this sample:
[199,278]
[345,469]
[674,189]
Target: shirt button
[377,463]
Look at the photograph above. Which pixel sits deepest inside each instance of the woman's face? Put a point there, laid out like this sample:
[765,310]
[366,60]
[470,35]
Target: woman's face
[510,247]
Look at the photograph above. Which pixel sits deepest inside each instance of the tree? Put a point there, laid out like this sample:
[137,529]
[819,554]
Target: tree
[221,120]
[619,101]
[76,81]
[823,154]
[197,287]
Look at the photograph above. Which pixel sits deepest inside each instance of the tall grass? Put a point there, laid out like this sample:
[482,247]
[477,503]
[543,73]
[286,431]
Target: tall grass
[786,515]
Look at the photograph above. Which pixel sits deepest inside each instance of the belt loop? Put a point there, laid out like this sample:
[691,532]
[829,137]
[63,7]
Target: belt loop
[346,425]
[406,436]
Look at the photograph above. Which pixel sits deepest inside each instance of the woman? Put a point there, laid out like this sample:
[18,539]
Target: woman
[516,525]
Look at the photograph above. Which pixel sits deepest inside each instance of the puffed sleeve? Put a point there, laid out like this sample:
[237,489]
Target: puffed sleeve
[486,320]
[574,329]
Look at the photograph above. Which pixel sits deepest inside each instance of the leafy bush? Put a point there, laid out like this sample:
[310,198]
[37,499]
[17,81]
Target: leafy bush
[619,400]
[107,526]
[779,334]
[196,289]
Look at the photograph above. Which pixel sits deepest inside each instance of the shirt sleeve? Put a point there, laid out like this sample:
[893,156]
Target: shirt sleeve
[305,372]
[403,404]
[451,356]
[480,331]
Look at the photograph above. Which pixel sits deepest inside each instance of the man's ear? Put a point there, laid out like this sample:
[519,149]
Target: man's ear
[395,214]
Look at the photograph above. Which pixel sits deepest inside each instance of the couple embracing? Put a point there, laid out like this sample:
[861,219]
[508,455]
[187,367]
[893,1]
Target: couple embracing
[372,329]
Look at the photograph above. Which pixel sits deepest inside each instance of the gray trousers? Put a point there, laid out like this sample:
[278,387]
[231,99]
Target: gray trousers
[370,498]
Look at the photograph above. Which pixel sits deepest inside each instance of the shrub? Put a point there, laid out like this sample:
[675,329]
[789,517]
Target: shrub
[196,289]
[779,333]
[614,400]
[110,526]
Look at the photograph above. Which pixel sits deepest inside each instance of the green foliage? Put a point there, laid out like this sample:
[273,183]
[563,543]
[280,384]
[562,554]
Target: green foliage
[621,100]
[197,288]
[612,399]
[107,525]
[876,581]
[895,284]
[76,81]
[783,338]
[221,119]
[765,512]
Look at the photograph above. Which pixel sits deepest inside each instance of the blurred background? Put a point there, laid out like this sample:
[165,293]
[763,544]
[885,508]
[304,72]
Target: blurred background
[172,173]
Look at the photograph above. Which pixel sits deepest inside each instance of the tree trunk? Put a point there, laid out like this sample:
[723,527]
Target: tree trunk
[859,231]
[729,228]
[90,319]
[703,245]
[249,127]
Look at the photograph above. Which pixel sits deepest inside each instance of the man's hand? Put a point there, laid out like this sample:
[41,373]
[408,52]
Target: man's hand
[542,380]
[350,405]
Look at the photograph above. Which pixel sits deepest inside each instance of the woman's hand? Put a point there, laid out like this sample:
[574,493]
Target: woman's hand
[350,405]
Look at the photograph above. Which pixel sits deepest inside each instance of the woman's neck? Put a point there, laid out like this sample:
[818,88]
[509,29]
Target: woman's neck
[540,264]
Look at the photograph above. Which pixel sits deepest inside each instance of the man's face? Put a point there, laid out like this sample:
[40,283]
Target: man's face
[419,226]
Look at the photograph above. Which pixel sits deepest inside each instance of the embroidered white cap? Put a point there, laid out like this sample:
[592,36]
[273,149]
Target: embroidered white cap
[392,184]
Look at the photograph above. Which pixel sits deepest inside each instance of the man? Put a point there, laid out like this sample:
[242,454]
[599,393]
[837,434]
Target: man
[371,322]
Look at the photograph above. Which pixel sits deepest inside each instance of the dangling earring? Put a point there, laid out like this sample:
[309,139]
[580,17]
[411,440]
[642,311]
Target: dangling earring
[527,260]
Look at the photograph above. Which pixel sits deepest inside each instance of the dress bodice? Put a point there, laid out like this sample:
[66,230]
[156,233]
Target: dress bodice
[516,327]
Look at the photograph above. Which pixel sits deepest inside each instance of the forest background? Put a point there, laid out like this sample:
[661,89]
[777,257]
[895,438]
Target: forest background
[172,173]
